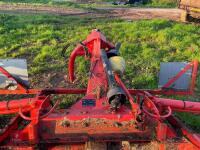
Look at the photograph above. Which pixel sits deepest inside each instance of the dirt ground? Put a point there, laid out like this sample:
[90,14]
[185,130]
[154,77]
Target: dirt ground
[125,13]
[28,8]
[146,13]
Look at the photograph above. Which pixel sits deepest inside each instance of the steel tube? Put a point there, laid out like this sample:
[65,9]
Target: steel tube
[78,51]
[179,105]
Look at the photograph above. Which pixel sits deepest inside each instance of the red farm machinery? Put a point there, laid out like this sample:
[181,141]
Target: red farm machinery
[108,116]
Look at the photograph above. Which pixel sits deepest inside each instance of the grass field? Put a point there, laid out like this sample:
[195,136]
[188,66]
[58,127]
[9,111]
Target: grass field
[41,39]
[97,3]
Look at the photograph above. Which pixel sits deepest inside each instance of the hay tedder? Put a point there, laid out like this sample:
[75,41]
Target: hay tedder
[108,116]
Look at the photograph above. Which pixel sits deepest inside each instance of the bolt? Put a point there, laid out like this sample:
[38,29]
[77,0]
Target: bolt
[84,112]
[86,123]
[66,113]
[65,123]
[104,103]
[117,124]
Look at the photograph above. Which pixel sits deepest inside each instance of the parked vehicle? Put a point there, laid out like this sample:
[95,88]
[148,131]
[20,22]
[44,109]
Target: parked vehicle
[191,8]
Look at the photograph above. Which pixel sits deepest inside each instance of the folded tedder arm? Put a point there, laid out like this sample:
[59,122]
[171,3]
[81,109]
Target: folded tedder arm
[100,116]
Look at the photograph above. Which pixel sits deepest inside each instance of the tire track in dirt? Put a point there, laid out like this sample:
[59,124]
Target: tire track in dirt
[124,13]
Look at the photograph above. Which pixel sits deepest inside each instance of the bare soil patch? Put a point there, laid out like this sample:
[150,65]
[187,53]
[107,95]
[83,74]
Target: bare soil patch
[30,8]
[124,13]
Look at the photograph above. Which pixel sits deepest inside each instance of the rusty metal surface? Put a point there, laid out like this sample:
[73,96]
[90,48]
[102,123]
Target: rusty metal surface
[92,129]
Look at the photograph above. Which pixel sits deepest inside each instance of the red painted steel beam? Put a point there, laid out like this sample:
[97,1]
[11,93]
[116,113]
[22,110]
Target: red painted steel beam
[19,92]
[83,91]
[131,100]
[13,106]
[179,105]
[62,91]
[194,75]
[10,127]
[158,92]
[192,137]
[44,91]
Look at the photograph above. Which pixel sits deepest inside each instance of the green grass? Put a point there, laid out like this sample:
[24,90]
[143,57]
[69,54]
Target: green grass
[97,3]
[160,3]
[41,39]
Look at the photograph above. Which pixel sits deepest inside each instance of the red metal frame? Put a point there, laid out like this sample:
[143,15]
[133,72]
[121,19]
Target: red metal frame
[90,118]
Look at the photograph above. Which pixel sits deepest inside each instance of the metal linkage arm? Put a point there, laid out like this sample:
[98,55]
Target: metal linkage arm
[13,106]
[78,51]
[86,48]
[179,105]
